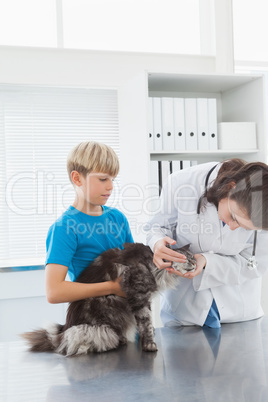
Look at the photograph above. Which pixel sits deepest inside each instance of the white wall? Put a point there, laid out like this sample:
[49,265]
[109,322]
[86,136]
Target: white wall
[23,304]
[126,72]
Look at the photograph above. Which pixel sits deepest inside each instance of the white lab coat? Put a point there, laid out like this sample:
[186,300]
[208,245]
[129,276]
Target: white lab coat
[226,278]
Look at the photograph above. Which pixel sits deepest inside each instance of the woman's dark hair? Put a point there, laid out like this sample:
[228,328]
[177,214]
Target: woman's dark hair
[247,184]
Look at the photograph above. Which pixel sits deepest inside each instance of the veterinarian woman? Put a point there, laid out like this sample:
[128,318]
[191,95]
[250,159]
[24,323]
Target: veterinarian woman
[221,209]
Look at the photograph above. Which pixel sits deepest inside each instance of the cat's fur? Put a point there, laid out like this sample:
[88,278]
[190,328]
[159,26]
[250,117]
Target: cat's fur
[102,323]
[190,263]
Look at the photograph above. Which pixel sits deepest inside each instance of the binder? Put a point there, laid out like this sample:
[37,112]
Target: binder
[186,164]
[193,163]
[153,204]
[179,124]
[175,166]
[154,172]
[212,124]
[157,125]
[202,124]
[190,124]
[165,166]
[150,124]
[168,124]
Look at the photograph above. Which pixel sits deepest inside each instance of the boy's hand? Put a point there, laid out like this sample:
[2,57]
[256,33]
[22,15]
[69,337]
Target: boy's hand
[117,290]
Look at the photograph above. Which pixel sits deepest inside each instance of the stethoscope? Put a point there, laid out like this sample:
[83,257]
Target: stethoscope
[252,262]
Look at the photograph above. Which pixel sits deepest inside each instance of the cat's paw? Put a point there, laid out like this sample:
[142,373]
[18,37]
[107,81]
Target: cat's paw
[149,347]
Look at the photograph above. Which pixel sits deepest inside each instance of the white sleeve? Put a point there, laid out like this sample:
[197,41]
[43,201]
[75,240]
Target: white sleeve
[233,270]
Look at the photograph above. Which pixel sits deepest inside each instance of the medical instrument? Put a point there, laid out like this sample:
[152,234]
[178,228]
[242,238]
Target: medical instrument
[252,262]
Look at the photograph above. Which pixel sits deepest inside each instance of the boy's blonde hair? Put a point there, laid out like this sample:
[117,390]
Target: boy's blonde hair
[89,157]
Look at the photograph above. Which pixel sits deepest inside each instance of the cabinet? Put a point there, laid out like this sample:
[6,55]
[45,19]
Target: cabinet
[240,98]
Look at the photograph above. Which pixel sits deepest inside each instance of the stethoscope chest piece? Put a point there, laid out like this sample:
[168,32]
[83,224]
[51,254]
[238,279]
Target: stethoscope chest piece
[252,263]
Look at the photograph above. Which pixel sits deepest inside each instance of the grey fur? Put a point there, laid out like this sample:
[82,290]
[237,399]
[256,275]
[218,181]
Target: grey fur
[103,323]
[190,263]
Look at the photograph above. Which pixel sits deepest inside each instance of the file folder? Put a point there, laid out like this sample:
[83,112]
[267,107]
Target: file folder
[160,182]
[168,124]
[212,124]
[190,124]
[175,166]
[202,124]
[165,166]
[150,124]
[186,164]
[157,124]
[154,202]
[179,124]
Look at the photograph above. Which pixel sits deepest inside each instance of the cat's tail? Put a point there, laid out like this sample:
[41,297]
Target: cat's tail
[76,340]
[85,338]
[44,340]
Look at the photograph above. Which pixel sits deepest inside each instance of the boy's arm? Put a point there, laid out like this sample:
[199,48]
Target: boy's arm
[58,290]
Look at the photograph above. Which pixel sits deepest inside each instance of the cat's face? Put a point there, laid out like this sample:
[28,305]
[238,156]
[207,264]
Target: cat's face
[187,266]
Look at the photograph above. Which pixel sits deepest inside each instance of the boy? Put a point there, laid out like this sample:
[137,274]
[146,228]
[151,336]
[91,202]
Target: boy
[87,228]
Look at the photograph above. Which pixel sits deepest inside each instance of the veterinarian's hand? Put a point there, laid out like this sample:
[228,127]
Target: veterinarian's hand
[117,290]
[161,253]
[200,265]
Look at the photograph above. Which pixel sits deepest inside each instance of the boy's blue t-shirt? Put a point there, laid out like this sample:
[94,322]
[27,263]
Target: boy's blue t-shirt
[76,239]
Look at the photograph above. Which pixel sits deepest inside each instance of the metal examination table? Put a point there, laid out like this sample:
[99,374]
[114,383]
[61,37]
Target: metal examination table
[192,364]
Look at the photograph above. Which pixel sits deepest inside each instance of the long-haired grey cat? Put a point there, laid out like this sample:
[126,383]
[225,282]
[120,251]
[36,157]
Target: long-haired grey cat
[103,323]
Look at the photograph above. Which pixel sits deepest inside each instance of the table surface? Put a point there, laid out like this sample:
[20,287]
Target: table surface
[192,364]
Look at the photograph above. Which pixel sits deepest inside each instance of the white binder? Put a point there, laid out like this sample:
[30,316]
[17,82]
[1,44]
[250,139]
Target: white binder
[153,204]
[186,164]
[202,124]
[167,124]
[157,124]
[165,166]
[176,165]
[179,124]
[212,124]
[190,124]
[150,124]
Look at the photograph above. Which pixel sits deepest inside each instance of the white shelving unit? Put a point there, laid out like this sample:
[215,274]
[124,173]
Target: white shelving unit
[240,98]
[202,155]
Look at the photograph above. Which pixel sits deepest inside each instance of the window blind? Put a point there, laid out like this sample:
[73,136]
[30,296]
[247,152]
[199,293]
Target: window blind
[38,128]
